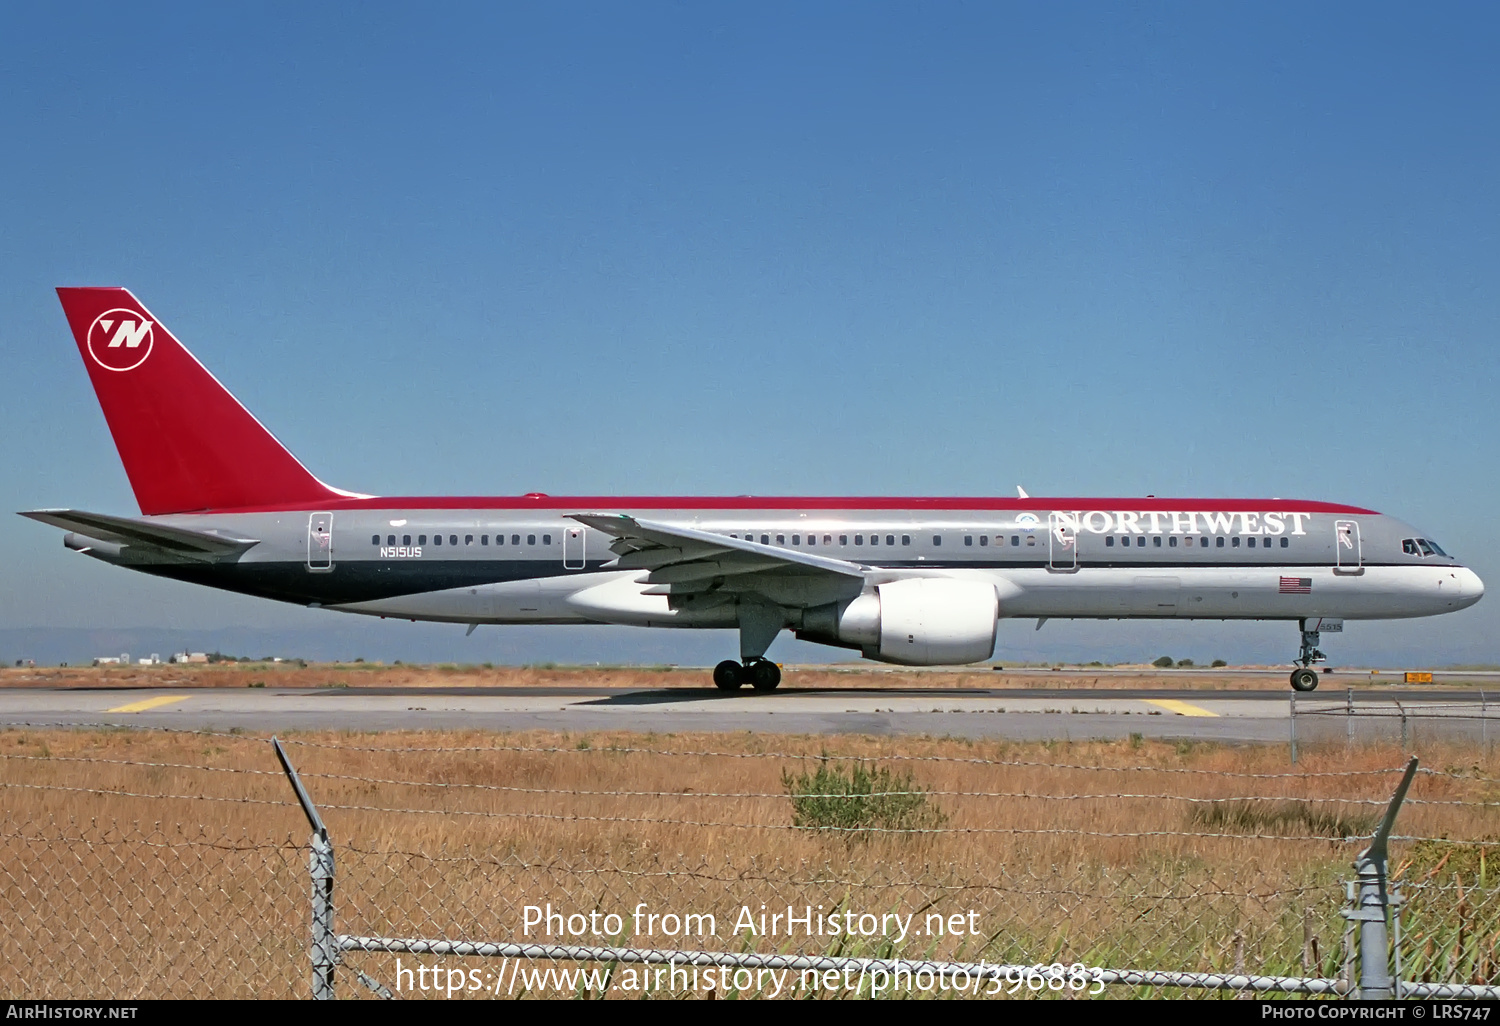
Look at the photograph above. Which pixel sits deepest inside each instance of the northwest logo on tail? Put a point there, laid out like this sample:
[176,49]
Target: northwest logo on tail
[120,340]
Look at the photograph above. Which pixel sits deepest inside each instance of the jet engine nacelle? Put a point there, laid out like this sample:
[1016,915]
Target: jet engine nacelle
[921,621]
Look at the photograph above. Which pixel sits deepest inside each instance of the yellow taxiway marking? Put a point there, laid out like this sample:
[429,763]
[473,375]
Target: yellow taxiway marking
[1180,708]
[150,703]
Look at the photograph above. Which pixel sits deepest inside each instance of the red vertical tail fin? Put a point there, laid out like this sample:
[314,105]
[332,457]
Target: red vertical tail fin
[186,443]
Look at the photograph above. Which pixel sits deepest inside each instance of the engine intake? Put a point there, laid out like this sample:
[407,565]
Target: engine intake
[921,621]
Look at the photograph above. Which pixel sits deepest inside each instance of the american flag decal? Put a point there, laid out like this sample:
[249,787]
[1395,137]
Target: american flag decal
[1296,586]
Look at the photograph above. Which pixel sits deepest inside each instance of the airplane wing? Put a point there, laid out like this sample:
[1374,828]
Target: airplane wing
[645,545]
[211,546]
[699,565]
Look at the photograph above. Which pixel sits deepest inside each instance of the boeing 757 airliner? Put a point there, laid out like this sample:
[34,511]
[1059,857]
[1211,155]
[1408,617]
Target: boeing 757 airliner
[915,581]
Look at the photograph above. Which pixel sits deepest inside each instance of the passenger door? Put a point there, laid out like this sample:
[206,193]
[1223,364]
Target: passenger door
[320,542]
[1347,556]
[1062,542]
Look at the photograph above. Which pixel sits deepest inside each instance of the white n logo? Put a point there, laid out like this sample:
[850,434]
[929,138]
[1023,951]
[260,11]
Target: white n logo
[121,339]
[129,334]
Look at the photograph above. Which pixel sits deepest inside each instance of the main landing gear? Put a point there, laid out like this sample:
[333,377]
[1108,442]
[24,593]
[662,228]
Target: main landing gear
[760,622]
[1304,677]
[760,674]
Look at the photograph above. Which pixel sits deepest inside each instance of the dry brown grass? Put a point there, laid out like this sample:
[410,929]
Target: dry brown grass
[356,675]
[184,895]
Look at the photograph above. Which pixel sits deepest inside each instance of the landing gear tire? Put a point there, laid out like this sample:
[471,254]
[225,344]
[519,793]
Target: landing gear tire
[764,675]
[729,675]
[1304,679]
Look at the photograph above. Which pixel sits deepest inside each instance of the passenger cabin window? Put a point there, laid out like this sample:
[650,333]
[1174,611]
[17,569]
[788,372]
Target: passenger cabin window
[843,539]
[484,539]
[1285,542]
[890,539]
[406,539]
[781,539]
[468,539]
[453,539]
[531,539]
[390,539]
[1015,540]
[375,540]
[1156,541]
[437,539]
[1219,542]
[546,539]
[906,539]
[1188,542]
[796,539]
[1109,542]
[828,540]
[765,539]
[812,539]
[421,539]
[874,539]
[1172,541]
[937,539]
[859,539]
[1140,542]
[1031,541]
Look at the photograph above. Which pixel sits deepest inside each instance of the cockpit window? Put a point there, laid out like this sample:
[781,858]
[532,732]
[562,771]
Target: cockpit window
[1424,546]
[1428,543]
[1409,546]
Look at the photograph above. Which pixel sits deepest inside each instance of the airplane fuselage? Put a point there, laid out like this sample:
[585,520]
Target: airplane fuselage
[499,561]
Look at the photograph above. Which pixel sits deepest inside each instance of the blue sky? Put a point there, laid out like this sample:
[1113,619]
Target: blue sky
[1179,249]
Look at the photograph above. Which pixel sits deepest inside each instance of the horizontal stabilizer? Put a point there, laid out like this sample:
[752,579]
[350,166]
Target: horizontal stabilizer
[207,545]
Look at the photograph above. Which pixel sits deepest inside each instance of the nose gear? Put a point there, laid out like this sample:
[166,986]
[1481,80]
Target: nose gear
[1305,678]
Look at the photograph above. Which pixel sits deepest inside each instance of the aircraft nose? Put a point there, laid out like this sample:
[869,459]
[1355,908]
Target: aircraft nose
[1470,587]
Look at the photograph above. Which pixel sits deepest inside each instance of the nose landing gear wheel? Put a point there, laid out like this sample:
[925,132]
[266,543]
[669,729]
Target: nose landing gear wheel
[729,675]
[764,675]
[1304,679]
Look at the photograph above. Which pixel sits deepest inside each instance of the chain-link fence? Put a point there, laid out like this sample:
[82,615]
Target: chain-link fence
[105,908]
[174,864]
[1362,718]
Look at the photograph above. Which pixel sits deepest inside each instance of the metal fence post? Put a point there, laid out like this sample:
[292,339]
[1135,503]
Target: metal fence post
[324,948]
[1349,718]
[1375,981]
[1293,720]
[1484,724]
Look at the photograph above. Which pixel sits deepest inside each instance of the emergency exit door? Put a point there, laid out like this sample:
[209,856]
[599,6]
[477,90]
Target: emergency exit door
[573,542]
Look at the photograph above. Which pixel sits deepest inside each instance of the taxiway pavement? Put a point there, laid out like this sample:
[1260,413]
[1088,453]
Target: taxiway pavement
[1012,713]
